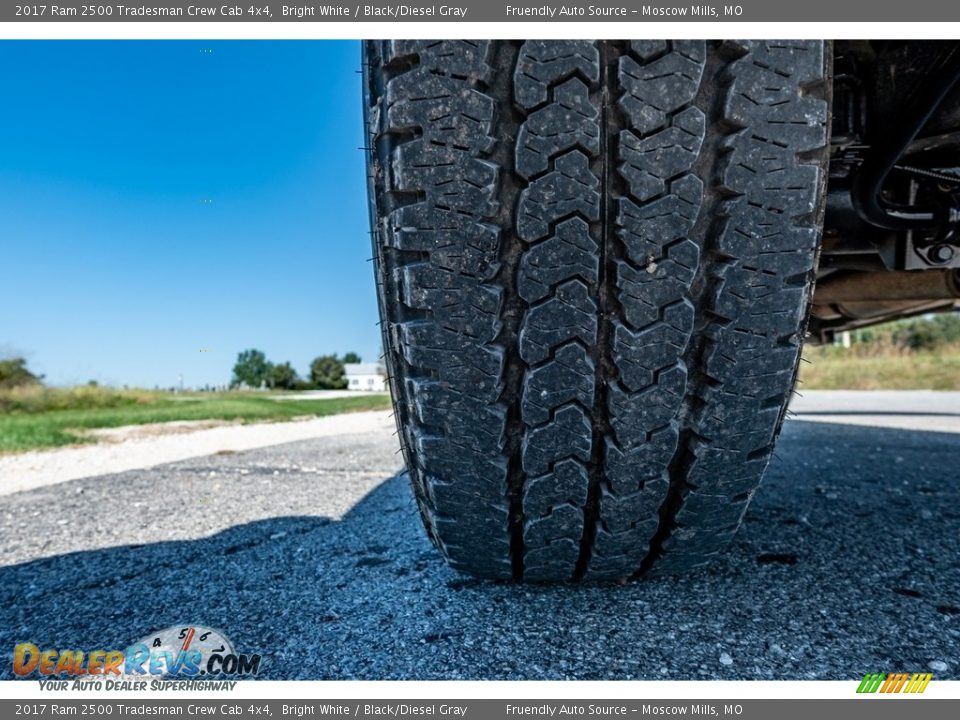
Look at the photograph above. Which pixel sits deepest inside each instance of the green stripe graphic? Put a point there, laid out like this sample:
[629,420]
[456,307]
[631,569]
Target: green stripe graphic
[871,682]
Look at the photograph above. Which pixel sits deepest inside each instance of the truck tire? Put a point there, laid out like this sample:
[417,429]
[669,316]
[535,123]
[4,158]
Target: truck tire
[594,262]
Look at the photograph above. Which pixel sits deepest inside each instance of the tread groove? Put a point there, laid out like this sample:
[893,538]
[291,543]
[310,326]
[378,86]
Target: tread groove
[605,303]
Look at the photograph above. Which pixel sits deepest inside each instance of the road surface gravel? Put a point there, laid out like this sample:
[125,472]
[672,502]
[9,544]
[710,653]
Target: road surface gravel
[311,554]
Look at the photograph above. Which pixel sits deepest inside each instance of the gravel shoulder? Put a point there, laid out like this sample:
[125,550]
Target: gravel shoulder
[312,554]
[929,410]
[142,446]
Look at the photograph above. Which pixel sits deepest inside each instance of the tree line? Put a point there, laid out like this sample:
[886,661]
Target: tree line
[252,369]
[932,334]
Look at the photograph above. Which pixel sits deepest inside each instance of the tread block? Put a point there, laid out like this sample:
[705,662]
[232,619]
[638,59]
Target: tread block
[422,104]
[552,561]
[571,188]
[648,294]
[459,302]
[437,405]
[571,252]
[648,163]
[569,377]
[641,463]
[468,186]
[570,313]
[542,63]
[565,521]
[453,241]
[668,79]
[567,435]
[570,121]
[646,229]
[567,483]
[466,59]
[638,355]
[652,407]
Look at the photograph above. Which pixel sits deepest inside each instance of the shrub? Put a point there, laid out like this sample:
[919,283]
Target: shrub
[326,373]
[14,373]
[282,377]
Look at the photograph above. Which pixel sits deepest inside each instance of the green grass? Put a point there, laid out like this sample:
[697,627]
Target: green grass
[869,367]
[36,417]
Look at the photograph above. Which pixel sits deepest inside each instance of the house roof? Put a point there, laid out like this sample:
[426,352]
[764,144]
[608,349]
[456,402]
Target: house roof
[363,369]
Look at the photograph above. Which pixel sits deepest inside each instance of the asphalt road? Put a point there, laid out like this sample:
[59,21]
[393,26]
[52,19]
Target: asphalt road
[311,554]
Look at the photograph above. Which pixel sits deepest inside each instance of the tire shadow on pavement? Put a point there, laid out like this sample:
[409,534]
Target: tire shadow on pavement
[848,562]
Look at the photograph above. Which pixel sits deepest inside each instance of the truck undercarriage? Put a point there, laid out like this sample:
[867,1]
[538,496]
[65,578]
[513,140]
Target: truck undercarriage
[891,240]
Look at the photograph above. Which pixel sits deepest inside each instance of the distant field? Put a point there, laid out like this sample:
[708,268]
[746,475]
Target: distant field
[38,417]
[837,368]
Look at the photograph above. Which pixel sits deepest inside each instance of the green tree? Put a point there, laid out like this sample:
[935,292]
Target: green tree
[928,333]
[282,377]
[326,373]
[14,373]
[351,357]
[251,369]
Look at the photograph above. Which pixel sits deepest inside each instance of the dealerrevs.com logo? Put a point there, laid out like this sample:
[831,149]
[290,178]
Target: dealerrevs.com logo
[190,651]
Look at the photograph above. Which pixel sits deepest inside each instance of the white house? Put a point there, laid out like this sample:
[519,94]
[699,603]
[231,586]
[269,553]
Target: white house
[365,376]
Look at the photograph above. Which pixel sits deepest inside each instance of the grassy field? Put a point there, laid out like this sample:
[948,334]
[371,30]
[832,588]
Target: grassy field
[37,417]
[880,368]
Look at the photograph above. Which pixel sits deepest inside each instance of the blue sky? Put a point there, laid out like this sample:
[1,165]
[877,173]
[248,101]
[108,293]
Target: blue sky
[113,265]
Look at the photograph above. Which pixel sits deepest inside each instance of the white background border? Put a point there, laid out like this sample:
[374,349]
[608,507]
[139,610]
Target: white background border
[659,689]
